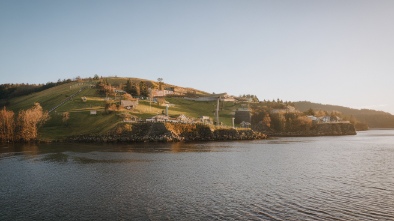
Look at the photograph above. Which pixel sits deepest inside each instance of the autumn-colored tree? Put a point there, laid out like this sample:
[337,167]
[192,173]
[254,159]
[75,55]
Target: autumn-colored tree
[66,117]
[310,111]
[28,122]
[110,106]
[127,97]
[267,120]
[302,123]
[7,125]
[278,121]
[321,113]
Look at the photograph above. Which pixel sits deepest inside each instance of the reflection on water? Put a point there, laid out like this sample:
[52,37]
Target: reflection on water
[56,157]
[316,178]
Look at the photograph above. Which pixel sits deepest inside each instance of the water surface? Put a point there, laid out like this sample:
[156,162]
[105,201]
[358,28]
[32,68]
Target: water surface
[317,178]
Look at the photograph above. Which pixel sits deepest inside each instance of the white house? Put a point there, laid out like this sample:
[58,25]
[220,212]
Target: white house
[325,119]
[182,118]
[158,118]
[245,124]
[313,118]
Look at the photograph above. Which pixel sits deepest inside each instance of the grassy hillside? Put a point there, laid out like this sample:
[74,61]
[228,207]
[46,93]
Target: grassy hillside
[374,119]
[82,122]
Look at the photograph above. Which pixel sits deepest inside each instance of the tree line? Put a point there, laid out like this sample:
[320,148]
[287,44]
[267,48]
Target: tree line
[22,127]
[362,118]
[136,89]
[265,119]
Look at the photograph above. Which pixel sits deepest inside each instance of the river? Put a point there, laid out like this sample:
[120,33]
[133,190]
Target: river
[308,178]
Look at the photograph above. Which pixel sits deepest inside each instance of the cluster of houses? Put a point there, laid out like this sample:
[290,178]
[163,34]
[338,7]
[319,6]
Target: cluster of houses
[180,119]
[324,119]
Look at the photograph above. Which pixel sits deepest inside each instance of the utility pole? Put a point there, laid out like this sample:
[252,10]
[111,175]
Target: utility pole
[167,110]
[217,112]
[150,99]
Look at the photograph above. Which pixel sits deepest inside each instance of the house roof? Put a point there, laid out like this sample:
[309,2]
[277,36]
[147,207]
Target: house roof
[126,103]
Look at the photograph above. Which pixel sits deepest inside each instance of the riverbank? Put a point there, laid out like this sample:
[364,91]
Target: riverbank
[324,129]
[167,132]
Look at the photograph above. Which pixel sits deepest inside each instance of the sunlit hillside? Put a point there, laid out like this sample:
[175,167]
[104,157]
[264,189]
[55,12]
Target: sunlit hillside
[67,98]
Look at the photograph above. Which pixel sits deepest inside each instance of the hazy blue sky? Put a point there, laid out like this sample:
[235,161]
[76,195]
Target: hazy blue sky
[326,51]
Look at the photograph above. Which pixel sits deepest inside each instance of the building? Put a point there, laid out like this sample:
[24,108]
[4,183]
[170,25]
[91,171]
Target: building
[120,91]
[129,104]
[205,120]
[211,97]
[287,109]
[158,118]
[161,93]
[313,118]
[245,124]
[242,115]
[183,119]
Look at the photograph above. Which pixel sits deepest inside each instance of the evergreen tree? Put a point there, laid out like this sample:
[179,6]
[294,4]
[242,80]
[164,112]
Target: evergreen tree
[143,89]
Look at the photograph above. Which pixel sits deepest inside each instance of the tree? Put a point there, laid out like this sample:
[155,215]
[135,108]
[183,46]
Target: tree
[129,86]
[110,106]
[143,89]
[7,125]
[96,77]
[267,120]
[278,122]
[28,122]
[127,97]
[66,117]
[310,112]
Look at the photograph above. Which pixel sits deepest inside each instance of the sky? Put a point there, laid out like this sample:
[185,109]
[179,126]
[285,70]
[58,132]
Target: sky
[338,52]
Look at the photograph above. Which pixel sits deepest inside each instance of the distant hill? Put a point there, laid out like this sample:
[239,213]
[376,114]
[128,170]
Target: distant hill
[374,119]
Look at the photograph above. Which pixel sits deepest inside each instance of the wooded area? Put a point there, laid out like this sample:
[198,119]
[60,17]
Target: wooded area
[23,126]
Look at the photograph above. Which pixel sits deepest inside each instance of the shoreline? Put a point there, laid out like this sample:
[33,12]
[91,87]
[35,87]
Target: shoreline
[165,132]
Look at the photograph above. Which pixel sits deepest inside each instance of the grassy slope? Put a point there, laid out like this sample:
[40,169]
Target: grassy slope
[81,122]
[47,98]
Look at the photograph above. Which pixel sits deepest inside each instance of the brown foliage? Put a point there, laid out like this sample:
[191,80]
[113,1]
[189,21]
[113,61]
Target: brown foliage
[127,97]
[7,125]
[28,122]
[66,117]
[267,120]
